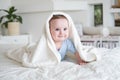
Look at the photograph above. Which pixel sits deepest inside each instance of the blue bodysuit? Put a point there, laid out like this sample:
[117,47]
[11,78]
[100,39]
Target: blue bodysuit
[67,45]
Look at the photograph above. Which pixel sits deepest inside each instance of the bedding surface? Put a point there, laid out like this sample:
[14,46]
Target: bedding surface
[108,68]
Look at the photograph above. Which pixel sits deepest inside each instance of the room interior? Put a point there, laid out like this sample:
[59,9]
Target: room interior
[100,36]
[82,12]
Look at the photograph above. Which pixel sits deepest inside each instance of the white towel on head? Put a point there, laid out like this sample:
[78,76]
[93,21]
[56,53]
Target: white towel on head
[44,52]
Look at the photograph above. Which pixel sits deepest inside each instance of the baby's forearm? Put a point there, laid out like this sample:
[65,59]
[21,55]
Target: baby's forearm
[79,60]
[78,57]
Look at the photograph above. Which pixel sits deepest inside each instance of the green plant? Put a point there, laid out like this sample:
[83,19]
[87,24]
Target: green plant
[9,17]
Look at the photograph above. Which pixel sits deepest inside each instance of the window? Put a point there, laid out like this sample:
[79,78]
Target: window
[98,14]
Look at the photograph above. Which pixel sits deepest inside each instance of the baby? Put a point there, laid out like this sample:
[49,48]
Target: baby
[59,37]
[59,29]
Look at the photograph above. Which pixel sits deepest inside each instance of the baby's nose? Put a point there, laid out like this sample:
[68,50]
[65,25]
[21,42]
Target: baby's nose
[61,31]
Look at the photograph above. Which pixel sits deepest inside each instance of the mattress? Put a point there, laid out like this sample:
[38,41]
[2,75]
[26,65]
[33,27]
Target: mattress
[108,68]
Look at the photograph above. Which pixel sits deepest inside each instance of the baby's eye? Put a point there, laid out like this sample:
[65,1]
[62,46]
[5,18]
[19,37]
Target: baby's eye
[57,29]
[65,29]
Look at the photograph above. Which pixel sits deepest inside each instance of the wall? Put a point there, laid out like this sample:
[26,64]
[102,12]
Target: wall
[4,4]
[36,12]
[107,16]
[34,22]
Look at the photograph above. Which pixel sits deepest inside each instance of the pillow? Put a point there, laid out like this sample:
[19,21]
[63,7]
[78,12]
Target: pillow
[115,31]
[92,30]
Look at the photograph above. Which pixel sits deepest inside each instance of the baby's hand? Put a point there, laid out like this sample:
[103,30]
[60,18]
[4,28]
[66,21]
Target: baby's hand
[81,62]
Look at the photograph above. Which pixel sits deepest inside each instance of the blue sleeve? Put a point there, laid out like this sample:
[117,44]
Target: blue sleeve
[70,46]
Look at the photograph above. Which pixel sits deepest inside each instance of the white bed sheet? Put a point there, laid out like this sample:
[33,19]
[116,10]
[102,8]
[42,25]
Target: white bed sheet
[108,68]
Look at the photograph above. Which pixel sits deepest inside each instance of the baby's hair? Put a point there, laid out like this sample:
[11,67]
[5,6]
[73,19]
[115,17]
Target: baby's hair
[57,17]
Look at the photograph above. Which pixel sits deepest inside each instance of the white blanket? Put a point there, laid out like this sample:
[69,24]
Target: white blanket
[44,52]
[108,68]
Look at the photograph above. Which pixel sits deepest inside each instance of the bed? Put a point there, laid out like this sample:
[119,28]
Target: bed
[108,68]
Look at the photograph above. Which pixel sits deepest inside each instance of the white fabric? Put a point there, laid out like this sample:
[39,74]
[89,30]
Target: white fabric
[44,52]
[79,28]
[108,68]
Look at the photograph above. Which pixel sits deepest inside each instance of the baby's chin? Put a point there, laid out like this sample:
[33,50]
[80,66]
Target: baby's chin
[61,40]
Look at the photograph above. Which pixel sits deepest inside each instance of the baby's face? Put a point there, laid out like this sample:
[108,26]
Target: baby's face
[59,29]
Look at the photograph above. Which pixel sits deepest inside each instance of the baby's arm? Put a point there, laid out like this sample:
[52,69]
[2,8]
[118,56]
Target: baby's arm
[79,60]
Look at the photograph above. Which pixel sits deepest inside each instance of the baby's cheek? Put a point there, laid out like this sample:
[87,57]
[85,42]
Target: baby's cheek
[67,35]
